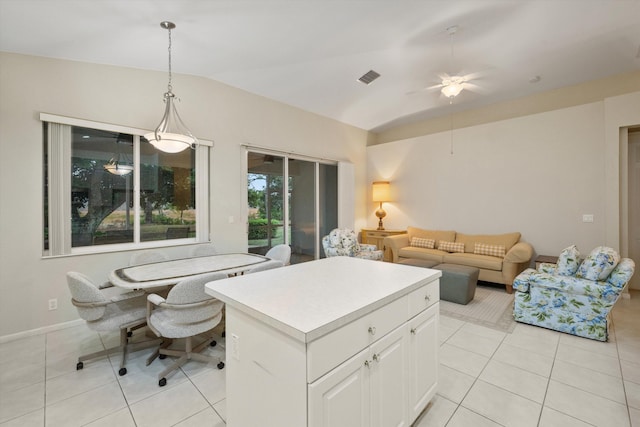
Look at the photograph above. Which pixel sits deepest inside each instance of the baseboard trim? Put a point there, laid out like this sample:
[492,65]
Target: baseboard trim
[40,331]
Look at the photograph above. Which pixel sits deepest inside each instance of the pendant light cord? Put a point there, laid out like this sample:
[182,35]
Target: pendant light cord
[169,87]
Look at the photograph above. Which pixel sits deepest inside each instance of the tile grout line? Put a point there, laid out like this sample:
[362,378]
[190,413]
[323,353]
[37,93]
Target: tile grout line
[624,388]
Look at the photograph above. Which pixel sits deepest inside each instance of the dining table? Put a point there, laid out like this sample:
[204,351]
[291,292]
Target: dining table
[170,272]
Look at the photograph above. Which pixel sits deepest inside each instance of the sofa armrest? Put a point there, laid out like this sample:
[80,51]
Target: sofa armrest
[395,243]
[366,247]
[621,275]
[523,280]
[520,253]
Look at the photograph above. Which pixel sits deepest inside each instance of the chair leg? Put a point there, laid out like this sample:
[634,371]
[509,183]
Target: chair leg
[164,343]
[188,354]
[124,347]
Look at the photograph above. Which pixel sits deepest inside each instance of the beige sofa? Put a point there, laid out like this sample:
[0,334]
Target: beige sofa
[496,269]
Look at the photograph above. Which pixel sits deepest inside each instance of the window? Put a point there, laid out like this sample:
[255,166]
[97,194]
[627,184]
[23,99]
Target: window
[106,188]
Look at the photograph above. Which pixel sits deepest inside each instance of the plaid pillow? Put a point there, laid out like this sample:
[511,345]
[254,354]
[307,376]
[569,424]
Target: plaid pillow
[451,246]
[491,250]
[419,242]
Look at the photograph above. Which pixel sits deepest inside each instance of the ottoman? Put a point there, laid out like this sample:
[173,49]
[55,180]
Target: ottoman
[418,262]
[458,282]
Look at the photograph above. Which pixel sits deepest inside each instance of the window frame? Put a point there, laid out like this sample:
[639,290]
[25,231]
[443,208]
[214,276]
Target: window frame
[59,192]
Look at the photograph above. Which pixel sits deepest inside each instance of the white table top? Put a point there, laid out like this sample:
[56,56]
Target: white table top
[308,300]
[172,271]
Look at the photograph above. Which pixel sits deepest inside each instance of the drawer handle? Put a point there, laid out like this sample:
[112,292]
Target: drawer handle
[372,330]
[367,364]
[427,298]
[376,357]
[413,331]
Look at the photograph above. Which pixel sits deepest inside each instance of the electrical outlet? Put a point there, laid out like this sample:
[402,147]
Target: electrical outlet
[587,218]
[53,304]
[235,346]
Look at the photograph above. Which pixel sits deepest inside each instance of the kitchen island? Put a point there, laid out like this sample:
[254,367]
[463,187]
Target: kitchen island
[338,341]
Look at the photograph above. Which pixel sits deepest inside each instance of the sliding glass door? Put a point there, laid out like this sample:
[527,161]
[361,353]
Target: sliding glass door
[308,212]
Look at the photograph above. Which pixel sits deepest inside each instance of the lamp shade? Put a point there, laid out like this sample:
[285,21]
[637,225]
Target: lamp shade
[381,191]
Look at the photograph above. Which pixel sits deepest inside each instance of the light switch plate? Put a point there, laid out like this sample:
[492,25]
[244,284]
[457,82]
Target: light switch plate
[587,218]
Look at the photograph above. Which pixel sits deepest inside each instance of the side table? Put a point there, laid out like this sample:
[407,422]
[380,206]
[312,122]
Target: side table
[372,236]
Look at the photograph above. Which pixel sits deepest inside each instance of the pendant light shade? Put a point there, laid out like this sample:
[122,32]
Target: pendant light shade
[171,135]
[114,167]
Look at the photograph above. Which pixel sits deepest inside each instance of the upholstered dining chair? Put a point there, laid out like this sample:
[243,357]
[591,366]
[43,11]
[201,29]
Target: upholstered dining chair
[123,313]
[268,265]
[186,312]
[280,253]
[204,250]
[147,257]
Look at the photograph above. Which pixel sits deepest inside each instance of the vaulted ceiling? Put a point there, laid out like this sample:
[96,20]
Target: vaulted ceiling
[310,53]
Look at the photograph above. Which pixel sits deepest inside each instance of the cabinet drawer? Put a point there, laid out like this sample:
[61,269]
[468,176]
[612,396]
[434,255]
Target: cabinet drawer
[334,348]
[424,297]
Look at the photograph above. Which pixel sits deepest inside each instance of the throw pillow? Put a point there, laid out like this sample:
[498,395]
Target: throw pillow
[599,264]
[491,250]
[419,242]
[568,261]
[451,246]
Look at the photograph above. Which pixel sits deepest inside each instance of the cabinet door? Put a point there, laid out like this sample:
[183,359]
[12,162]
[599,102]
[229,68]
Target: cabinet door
[341,397]
[389,380]
[423,359]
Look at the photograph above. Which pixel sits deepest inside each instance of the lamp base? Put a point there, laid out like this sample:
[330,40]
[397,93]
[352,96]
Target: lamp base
[380,213]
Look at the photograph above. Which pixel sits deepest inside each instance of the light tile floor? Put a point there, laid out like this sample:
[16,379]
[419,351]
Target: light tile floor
[530,377]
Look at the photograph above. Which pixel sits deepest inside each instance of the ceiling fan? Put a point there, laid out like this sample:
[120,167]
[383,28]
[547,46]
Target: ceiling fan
[451,86]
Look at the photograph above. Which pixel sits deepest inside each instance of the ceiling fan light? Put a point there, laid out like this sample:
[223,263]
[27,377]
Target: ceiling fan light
[452,90]
[452,87]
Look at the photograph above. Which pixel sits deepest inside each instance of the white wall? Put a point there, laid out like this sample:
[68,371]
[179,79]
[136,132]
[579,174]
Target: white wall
[131,97]
[536,174]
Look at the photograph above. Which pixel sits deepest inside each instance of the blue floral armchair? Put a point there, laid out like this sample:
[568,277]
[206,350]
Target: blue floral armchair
[343,242]
[572,296]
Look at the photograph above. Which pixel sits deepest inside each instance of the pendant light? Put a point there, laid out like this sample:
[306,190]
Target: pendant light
[171,135]
[116,165]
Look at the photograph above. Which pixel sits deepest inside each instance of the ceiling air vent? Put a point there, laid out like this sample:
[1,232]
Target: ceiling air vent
[368,77]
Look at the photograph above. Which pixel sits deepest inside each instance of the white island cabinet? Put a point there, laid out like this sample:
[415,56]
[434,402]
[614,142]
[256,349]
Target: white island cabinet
[335,342]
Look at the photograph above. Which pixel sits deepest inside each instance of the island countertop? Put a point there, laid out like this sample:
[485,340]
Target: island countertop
[311,299]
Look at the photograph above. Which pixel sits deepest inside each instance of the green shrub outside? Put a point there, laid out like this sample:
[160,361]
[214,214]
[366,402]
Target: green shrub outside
[258,228]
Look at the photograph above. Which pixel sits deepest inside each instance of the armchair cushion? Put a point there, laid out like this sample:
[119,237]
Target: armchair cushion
[599,264]
[568,261]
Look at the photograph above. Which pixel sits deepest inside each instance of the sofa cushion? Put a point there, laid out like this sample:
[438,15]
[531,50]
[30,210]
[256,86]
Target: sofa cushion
[491,250]
[507,240]
[450,246]
[421,253]
[436,235]
[484,262]
[568,261]
[598,264]
[420,242]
